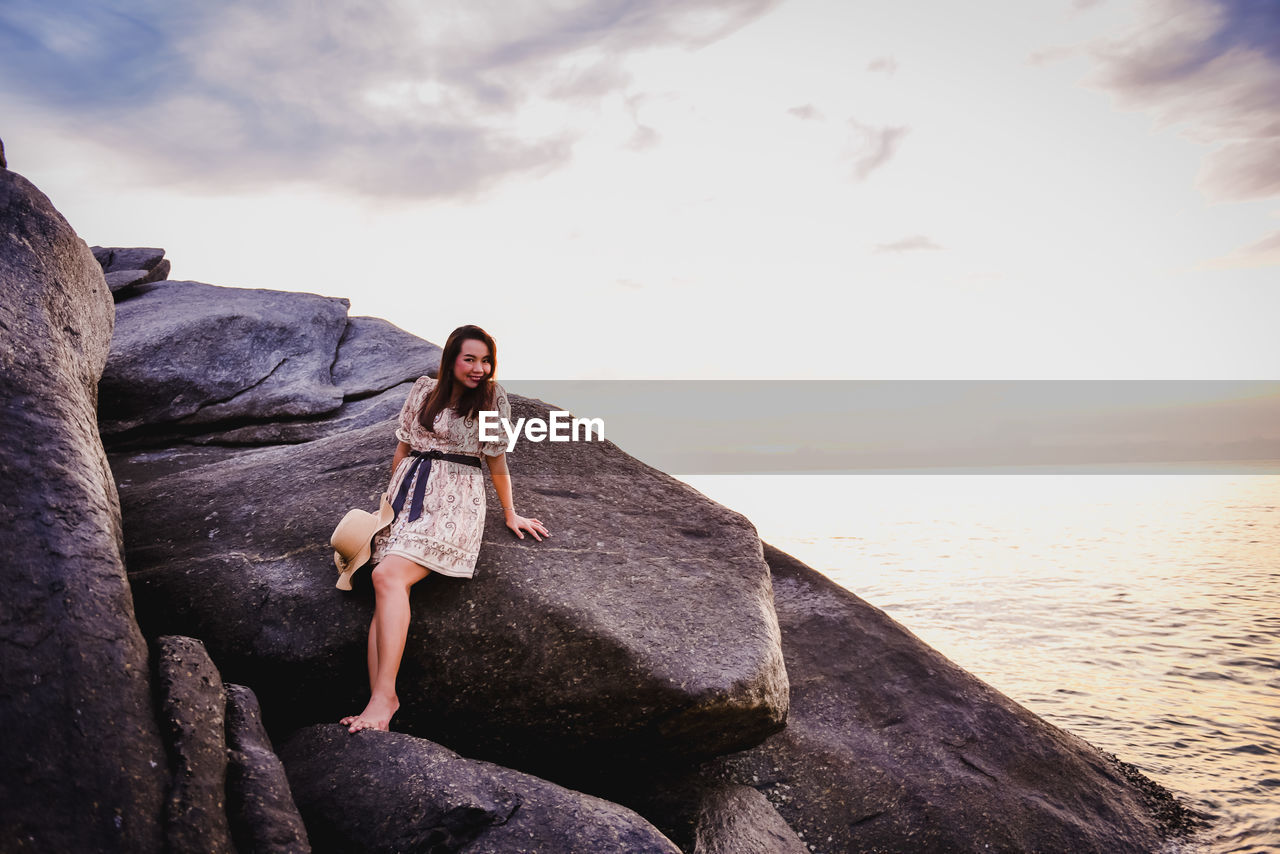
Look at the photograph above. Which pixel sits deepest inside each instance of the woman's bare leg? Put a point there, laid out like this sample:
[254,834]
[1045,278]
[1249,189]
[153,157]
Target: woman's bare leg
[392,578]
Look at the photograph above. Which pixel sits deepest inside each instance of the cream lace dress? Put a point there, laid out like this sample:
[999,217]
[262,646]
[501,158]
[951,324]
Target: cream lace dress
[446,537]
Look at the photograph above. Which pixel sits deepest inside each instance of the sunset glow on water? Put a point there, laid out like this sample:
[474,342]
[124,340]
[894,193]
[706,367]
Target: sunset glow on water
[1136,611]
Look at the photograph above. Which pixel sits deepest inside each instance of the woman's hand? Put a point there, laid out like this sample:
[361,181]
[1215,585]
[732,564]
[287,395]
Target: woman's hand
[519,524]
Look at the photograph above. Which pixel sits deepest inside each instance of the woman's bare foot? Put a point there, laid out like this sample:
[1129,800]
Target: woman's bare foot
[376,715]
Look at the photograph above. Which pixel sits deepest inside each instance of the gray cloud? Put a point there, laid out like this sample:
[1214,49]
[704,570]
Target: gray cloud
[1262,253]
[914,243]
[1212,68]
[884,64]
[807,112]
[874,147]
[381,97]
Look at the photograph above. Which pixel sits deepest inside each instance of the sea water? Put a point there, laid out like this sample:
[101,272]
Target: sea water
[1139,611]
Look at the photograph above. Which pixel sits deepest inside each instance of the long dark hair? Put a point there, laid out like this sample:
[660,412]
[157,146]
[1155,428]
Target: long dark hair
[472,400]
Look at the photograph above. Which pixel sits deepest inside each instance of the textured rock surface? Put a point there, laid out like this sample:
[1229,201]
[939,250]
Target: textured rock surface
[890,747]
[263,816]
[82,765]
[246,366]
[376,355]
[125,268]
[117,259]
[643,628]
[192,707]
[229,354]
[703,815]
[122,281]
[394,793]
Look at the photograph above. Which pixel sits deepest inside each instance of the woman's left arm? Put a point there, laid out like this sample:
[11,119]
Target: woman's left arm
[502,485]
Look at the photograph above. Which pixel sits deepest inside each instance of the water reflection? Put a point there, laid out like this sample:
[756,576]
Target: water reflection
[1138,611]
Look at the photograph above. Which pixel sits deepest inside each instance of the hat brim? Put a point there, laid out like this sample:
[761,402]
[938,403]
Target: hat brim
[347,569]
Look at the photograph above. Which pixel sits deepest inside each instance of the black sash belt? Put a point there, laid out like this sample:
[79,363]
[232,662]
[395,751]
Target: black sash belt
[415,507]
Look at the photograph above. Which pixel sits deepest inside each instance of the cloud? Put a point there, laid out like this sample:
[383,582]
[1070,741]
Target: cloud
[874,147]
[1263,253]
[1211,68]
[884,64]
[384,97]
[807,112]
[645,137]
[914,243]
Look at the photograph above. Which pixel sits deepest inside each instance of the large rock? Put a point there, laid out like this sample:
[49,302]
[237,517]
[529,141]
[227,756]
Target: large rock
[125,268]
[228,354]
[192,705]
[376,355]
[709,816]
[890,747]
[115,259]
[248,366]
[263,815]
[642,629]
[392,793]
[82,764]
[122,282]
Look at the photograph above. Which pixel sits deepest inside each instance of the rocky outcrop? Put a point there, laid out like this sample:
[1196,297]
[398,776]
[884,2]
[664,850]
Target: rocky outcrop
[125,268]
[192,707]
[249,366]
[633,660]
[82,764]
[262,355]
[228,790]
[661,645]
[263,815]
[392,793]
[891,747]
[637,657]
[705,815]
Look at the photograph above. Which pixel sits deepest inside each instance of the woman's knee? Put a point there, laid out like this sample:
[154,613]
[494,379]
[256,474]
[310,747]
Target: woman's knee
[395,574]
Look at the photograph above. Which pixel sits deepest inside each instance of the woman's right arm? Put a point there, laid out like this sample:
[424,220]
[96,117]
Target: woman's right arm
[402,450]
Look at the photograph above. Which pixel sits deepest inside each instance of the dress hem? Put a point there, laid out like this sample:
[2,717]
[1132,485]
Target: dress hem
[420,562]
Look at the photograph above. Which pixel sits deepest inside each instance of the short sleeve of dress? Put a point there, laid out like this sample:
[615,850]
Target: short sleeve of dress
[503,407]
[412,405]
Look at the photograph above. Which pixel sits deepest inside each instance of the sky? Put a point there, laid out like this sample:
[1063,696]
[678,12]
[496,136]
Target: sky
[704,189]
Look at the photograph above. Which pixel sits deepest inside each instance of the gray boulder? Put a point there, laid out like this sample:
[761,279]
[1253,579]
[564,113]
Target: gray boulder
[392,793]
[707,816]
[643,629]
[82,764]
[121,282]
[890,747]
[246,366]
[192,707]
[353,414]
[114,259]
[376,355]
[186,353]
[264,818]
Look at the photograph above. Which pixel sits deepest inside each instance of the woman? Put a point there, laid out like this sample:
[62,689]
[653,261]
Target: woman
[439,501]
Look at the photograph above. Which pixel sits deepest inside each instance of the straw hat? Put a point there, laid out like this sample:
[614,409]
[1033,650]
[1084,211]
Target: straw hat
[352,540]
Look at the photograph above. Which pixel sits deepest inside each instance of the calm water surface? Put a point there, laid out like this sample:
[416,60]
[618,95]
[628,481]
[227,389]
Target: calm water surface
[1141,612]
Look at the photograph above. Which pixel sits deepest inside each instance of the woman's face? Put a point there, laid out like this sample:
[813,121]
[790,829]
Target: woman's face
[472,367]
